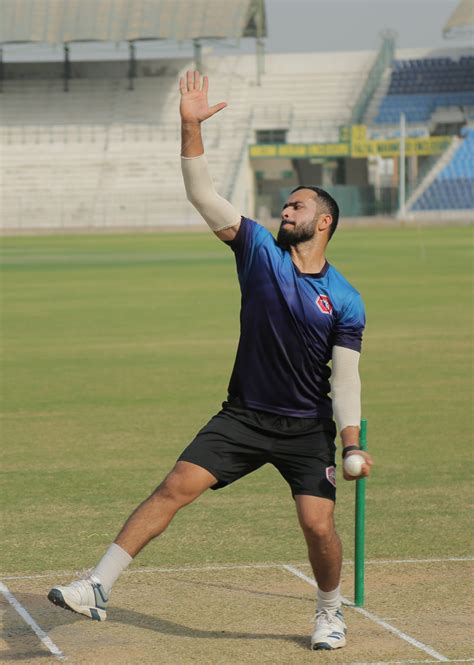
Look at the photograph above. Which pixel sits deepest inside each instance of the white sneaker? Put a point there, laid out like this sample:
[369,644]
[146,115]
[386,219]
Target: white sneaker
[84,597]
[330,630]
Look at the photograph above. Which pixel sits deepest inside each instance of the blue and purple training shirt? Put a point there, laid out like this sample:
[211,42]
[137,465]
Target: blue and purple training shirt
[289,323]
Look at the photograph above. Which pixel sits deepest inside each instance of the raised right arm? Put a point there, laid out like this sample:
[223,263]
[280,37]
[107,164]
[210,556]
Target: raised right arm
[220,215]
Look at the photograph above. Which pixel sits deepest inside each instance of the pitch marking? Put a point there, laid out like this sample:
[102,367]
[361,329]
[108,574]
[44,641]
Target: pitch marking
[403,636]
[39,632]
[412,662]
[376,562]
[232,566]
[54,649]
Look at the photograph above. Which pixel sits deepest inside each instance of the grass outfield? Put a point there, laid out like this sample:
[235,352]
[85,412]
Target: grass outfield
[118,348]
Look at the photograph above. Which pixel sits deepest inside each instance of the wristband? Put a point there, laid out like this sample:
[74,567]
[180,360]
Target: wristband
[348,449]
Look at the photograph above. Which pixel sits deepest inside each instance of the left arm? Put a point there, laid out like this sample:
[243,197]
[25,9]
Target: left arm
[345,389]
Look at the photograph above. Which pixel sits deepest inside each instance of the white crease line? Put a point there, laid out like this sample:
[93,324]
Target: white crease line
[232,566]
[375,562]
[224,566]
[139,571]
[40,576]
[410,662]
[403,636]
[39,632]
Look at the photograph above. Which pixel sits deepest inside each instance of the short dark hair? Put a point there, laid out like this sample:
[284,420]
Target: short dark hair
[330,203]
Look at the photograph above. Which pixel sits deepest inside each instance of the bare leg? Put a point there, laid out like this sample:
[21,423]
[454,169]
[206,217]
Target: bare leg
[180,487]
[316,517]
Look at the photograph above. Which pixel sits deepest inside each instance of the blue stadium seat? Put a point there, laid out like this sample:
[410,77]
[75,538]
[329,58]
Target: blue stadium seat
[453,188]
[419,87]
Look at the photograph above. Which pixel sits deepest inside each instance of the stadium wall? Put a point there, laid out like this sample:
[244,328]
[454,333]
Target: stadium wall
[104,155]
[92,69]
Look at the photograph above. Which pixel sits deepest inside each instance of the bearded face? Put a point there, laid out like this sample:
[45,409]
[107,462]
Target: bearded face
[305,215]
[293,233]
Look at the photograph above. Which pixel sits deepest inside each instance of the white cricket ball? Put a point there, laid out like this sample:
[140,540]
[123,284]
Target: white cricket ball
[353,464]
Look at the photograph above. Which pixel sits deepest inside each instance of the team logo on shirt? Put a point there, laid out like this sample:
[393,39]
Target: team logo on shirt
[324,304]
[331,475]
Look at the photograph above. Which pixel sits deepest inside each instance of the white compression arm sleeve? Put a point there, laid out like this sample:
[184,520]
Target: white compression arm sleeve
[345,387]
[218,213]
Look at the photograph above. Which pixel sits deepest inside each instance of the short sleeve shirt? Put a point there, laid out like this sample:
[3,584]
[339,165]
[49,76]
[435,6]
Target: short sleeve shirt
[289,323]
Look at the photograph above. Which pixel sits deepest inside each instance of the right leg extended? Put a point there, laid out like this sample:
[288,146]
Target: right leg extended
[185,483]
[180,487]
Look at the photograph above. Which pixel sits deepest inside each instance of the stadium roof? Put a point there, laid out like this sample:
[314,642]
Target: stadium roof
[461,21]
[64,21]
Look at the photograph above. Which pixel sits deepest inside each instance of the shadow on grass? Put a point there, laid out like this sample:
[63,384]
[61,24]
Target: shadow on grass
[16,631]
[227,586]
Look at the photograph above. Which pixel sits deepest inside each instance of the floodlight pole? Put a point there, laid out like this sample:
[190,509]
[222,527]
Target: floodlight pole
[260,44]
[132,69]
[402,170]
[260,53]
[198,54]
[67,68]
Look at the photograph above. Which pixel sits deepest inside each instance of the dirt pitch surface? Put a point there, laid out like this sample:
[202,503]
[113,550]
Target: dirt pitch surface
[247,614]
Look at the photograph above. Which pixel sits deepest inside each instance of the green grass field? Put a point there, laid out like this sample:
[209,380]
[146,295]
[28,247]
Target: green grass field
[117,348]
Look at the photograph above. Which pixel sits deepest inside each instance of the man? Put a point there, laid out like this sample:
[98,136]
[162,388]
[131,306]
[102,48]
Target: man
[298,313]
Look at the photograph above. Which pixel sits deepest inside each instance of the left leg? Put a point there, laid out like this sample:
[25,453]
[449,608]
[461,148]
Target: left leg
[304,454]
[316,517]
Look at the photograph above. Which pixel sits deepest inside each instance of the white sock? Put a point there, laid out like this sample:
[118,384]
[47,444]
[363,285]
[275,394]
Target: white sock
[329,600]
[114,562]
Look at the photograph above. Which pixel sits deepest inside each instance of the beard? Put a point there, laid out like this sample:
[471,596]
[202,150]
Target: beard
[289,236]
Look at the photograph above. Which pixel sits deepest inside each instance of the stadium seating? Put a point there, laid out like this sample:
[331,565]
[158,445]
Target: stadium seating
[453,187]
[419,86]
[102,154]
[314,93]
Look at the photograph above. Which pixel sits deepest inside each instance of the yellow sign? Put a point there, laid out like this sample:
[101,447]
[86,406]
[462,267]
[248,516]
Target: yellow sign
[358,133]
[292,150]
[328,150]
[375,147]
[432,145]
[263,151]
[300,150]
[357,148]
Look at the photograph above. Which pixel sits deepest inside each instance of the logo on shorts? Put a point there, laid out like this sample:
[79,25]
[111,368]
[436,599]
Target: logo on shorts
[331,475]
[324,304]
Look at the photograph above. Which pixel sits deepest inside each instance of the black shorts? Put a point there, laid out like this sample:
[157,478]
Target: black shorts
[237,441]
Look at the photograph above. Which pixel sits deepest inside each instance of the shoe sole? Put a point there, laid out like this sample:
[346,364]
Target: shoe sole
[56,597]
[325,646]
